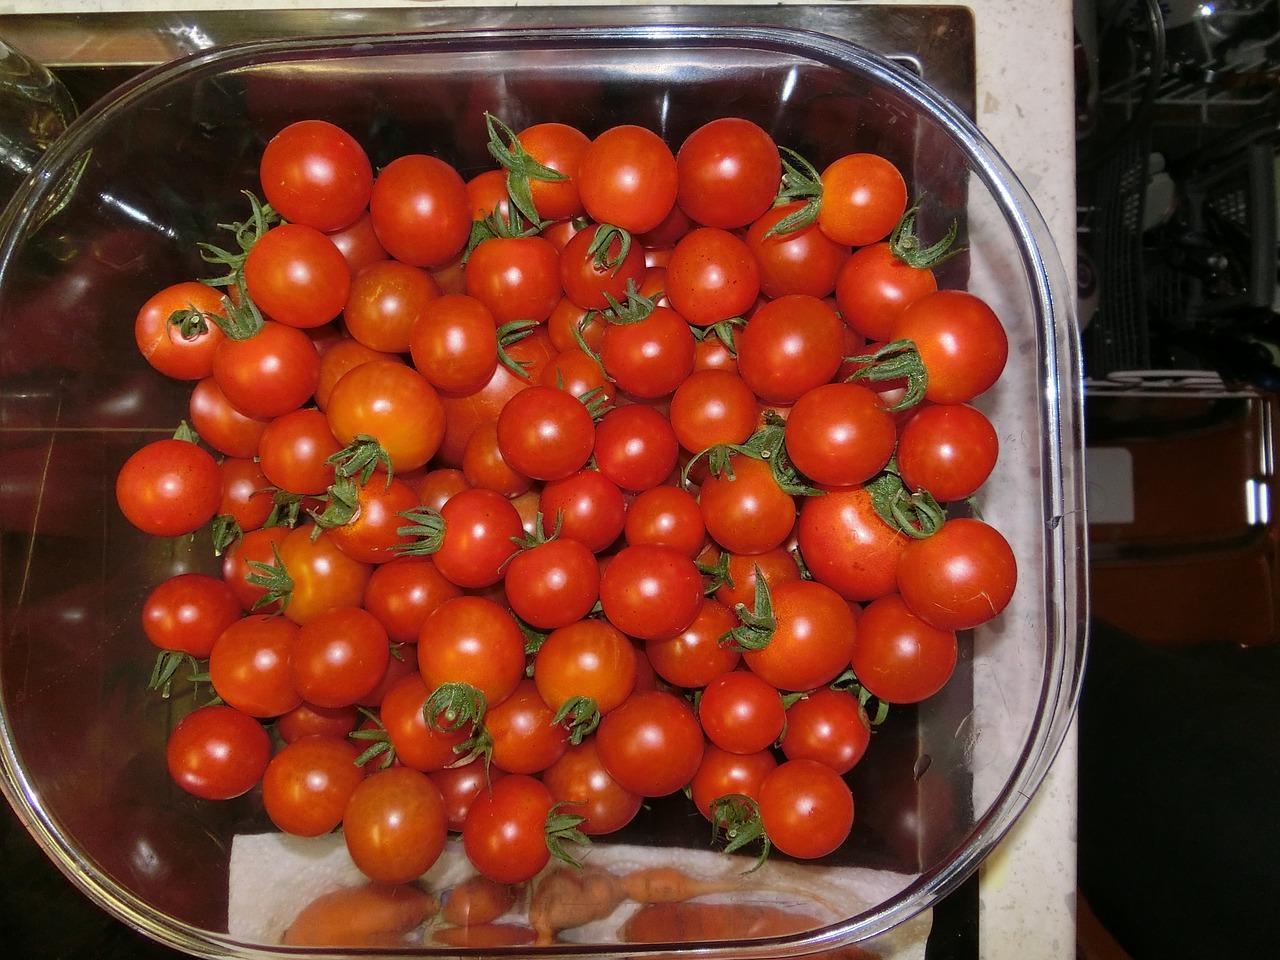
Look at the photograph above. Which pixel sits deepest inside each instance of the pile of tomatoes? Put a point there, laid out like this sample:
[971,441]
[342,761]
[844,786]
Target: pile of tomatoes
[611,472]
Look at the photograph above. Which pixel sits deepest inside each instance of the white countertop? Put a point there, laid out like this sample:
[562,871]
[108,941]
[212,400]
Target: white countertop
[1025,106]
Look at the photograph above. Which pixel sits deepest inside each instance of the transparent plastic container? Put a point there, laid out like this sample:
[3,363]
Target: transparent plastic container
[164,159]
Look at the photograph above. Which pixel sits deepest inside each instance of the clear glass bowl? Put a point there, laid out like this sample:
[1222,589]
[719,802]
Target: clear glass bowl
[115,211]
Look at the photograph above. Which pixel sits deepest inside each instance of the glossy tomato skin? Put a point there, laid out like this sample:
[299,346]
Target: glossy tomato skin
[373,534]
[806,809]
[393,403]
[454,343]
[504,834]
[723,773]
[315,173]
[403,591]
[649,358]
[776,566]
[545,433]
[297,276]
[741,713]
[308,782]
[384,303]
[863,198]
[169,488]
[294,451]
[589,278]
[695,656]
[162,343]
[711,276]
[804,261]
[840,434]
[418,744]
[666,515]
[324,576]
[627,177]
[710,407]
[517,278]
[728,173]
[339,657]
[847,546]
[948,450]
[897,656]
[650,591]
[479,525]
[812,641]
[589,658]
[460,784]
[272,372]
[652,743]
[960,577]
[789,346]
[553,584]
[560,147]
[221,425]
[188,612]
[636,447]
[475,641]
[394,825]
[420,210]
[744,509]
[249,666]
[961,341]
[588,507]
[580,779]
[874,286]
[218,752]
[525,737]
[829,726]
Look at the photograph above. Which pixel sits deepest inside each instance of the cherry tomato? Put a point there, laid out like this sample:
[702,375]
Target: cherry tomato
[847,546]
[525,737]
[479,526]
[580,780]
[384,303]
[587,507]
[840,434]
[454,343]
[402,591]
[315,173]
[948,450]
[812,640]
[589,659]
[806,809]
[635,447]
[372,534]
[188,611]
[739,586]
[306,719]
[899,657]
[729,170]
[392,403]
[505,832]
[695,656]
[711,276]
[650,357]
[553,584]
[961,342]
[323,577]
[475,641]
[744,509]
[651,744]
[517,278]
[627,177]
[863,198]
[712,407]
[169,488]
[217,752]
[339,656]
[651,591]
[272,372]
[394,825]
[308,783]
[741,713]
[666,515]
[789,346]
[359,243]
[829,726]
[723,773]
[297,276]
[960,577]
[247,497]
[162,342]
[545,433]
[223,427]
[249,665]
[417,743]
[874,286]
[338,359]
[598,264]
[559,147]
[294,451]
[460,783]
[420,210]
[804,261]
